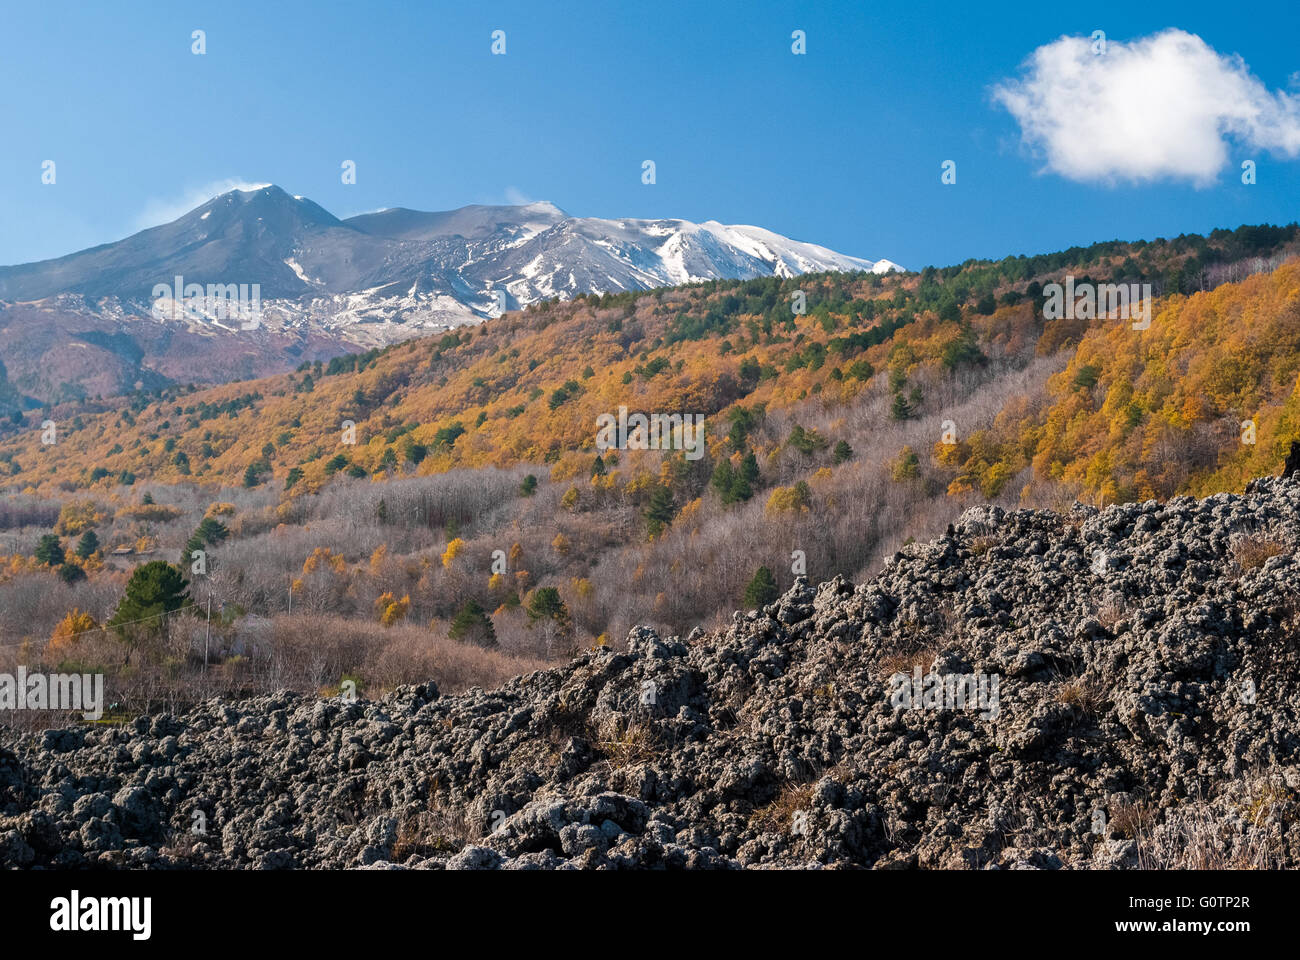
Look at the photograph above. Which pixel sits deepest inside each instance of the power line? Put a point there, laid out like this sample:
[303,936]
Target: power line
[102,629]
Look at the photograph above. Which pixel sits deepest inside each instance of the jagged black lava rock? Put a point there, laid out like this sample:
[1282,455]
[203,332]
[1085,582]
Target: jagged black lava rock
[1148,689]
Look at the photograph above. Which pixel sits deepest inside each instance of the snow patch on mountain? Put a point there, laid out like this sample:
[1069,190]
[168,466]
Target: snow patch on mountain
[298,271]
[397,272]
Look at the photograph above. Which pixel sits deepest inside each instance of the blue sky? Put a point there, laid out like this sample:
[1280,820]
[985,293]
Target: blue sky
[841,146]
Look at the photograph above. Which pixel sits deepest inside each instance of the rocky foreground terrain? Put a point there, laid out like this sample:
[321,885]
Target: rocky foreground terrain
[1141,686]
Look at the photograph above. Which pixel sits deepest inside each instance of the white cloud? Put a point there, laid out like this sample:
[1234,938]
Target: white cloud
[1167,106]
[165,210]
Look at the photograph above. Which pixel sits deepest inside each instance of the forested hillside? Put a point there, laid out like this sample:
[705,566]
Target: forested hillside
[452,490]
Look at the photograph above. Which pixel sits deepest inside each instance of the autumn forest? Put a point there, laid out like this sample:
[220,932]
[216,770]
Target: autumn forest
[441,508]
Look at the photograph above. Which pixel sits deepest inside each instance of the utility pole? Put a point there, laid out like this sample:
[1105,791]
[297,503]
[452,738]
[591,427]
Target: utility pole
[207,633]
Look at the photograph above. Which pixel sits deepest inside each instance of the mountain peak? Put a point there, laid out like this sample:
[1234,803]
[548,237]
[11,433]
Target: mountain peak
[246,194]
[257,188]
[543,206]
[424,264]
[261,199]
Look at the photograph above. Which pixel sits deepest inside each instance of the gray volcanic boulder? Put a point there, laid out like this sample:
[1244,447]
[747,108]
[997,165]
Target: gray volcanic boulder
[1107,688]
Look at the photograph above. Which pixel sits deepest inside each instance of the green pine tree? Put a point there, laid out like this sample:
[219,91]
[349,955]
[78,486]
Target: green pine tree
[723,481]
[49,551]
[746,477]
[660,511]
[87,545]
[544,603]
[473,624]
[211,530]
[761,590]
[155,590]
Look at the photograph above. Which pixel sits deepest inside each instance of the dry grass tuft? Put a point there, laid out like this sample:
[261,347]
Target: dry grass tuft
[780,813]
[1131,819]
[627,742]
[434,831]
[1249,835]
[907,661]
[182,845]
[1084,695]
[1253,551]
[1112,611]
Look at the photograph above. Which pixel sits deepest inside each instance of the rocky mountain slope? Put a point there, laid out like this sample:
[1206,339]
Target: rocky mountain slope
[1139,708]
[294,248]
[328,285]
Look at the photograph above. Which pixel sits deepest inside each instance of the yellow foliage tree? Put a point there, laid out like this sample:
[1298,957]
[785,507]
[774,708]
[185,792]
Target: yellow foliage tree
[453,550]
[322,558]
[786,499]
[396,610]
[67,635]
[76,517]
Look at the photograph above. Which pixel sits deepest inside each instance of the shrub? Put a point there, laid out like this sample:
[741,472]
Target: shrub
[472,623]
[907,466]
[761,590]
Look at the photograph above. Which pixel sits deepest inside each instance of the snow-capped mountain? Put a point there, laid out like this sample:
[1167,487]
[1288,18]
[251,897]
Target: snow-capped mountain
[296,250]
[328,284]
